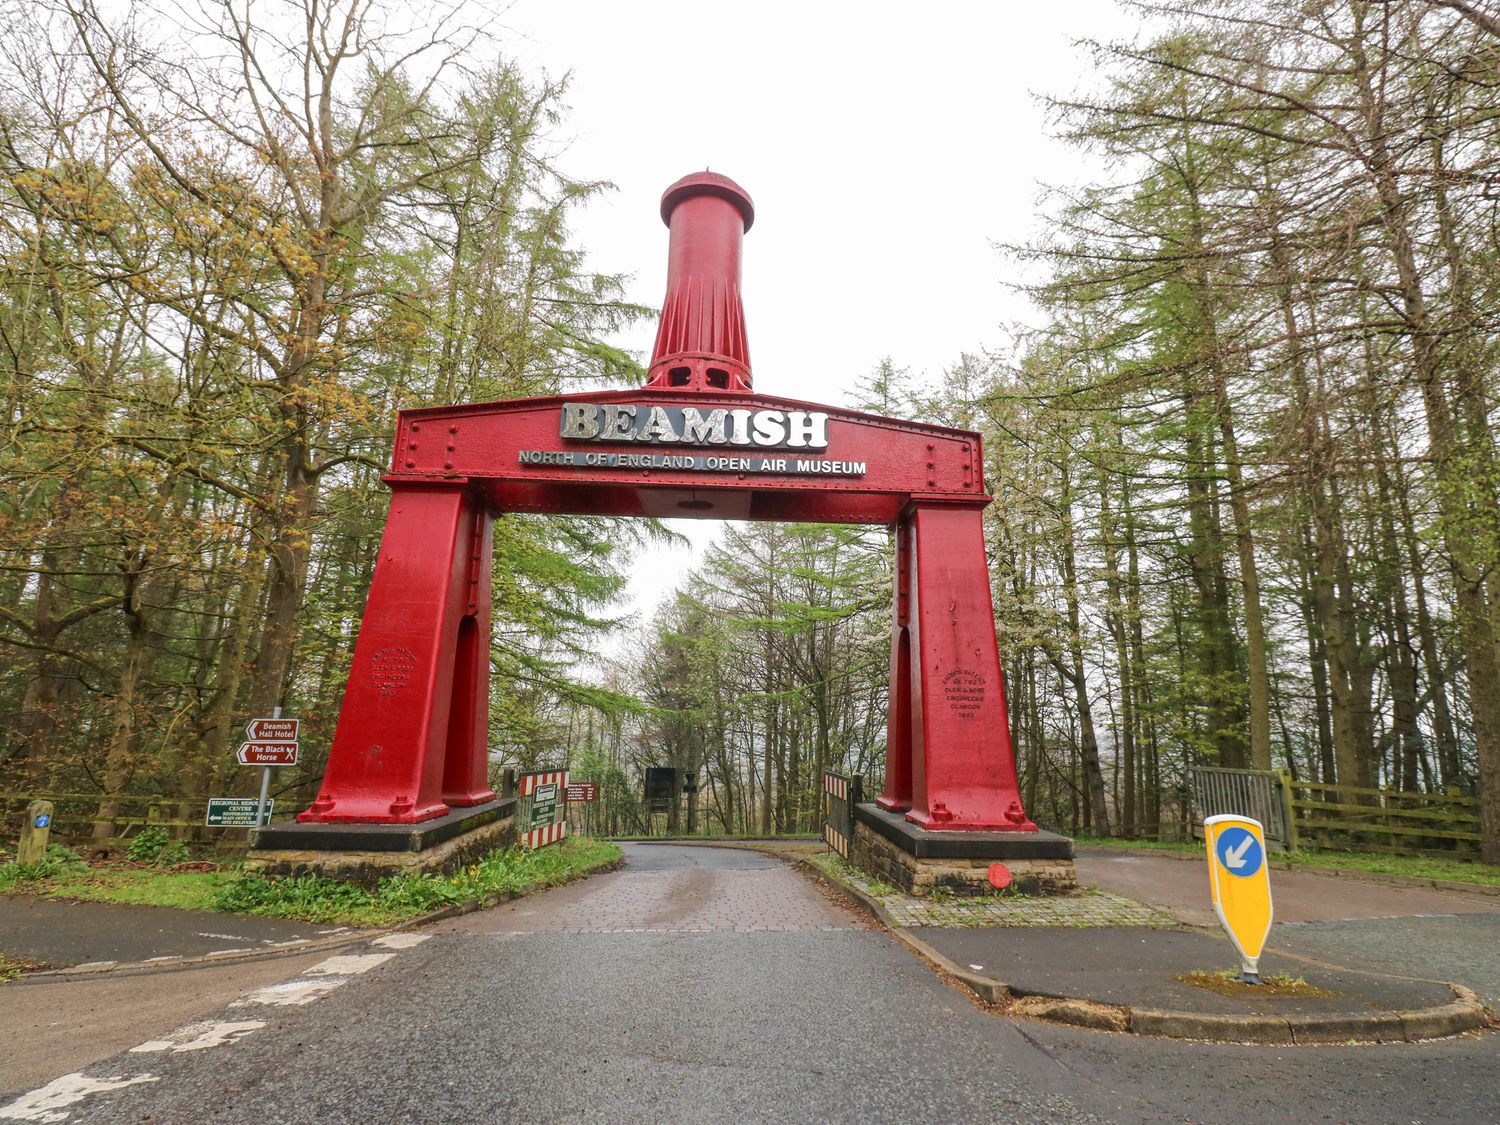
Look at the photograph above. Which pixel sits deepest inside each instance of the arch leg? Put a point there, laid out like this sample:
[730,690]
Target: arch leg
[389,763]
[898,742]
[963,767]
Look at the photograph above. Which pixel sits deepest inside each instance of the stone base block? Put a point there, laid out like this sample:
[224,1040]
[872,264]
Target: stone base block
[920,862]
[367,853]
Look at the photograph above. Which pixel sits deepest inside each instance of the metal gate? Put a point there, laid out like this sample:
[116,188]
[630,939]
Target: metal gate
[1260,794]
[840,794]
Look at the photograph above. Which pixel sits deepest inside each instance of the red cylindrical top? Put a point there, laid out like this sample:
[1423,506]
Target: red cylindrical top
[700,341]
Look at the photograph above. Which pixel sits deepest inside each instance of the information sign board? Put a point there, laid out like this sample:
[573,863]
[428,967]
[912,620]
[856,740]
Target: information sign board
[581,791]
[544,804]
[272,730]
[1240,883]
[237,812]
[267,753]
[540,816]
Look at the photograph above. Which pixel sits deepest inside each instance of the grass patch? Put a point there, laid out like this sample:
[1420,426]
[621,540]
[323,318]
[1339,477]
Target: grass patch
[400,898]
[309,898]
[1227,983]
[1415,866]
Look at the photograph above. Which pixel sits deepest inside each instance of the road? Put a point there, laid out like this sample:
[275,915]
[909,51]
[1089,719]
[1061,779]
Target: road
[705,985]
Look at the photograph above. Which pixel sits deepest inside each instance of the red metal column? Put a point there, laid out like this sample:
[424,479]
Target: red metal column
[897,795]
[401,753]
[963,768]
[466,761]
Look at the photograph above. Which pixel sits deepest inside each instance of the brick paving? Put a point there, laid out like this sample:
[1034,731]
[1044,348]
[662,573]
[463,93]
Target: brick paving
[753,893]
[1086,908]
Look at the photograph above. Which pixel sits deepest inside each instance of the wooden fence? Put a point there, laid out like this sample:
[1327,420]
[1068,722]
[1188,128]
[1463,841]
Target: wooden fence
[1320,817]
[75,814]
[1349,817]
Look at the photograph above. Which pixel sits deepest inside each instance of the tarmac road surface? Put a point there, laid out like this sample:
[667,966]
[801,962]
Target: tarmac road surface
[703,985]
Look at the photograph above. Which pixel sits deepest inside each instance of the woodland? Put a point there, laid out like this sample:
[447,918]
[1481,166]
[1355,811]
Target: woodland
[1246,484]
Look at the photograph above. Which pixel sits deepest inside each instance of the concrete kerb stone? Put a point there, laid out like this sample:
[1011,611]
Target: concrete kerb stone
[1464,1013]
[986,988]
[167,964]
[500,898]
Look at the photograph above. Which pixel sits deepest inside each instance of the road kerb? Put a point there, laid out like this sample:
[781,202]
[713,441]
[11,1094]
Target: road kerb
[1464,1013]
[163,964]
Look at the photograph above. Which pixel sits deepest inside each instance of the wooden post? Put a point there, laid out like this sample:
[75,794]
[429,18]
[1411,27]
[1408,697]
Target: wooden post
[33,845]
[1284,782]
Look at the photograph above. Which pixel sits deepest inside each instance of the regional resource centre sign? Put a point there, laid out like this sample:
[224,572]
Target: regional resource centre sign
[737,431]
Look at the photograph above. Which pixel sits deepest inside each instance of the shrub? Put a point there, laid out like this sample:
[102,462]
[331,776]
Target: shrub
[58,861]
[154,844]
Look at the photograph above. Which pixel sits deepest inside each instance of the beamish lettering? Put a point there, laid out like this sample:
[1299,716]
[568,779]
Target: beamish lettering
[687,425]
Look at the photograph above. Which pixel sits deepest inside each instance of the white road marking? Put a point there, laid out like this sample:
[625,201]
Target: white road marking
[200,1036]
[50,1102]
[292,993]
[222,937]
[400,941]
[348,964]
[88,965]
[226,952]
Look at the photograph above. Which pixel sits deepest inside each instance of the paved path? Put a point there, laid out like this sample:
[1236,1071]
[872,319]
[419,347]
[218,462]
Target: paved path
[672,889]
[721,989]
[1180,887]
[66,934]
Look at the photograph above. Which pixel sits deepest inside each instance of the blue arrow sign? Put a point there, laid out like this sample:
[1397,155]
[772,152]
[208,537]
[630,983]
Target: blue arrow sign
[1240,852]
[43,820]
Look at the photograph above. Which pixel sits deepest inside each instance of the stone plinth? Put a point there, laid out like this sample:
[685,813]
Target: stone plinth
[366,853]
[919,862]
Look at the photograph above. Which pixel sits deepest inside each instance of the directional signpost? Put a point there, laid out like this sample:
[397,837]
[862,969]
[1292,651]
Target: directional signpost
[238,812]
[268,742]
[1240,882]
[267,754]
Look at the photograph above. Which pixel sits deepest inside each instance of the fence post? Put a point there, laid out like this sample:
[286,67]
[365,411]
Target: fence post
[1288,813]
[32,847]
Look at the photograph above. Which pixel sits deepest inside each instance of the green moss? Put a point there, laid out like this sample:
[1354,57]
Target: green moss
[400,898]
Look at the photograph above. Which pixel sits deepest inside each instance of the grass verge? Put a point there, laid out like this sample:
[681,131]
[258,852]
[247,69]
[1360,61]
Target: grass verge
[312,898]
[1418,867]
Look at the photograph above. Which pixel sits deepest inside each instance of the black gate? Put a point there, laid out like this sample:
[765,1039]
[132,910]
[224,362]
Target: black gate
[840,794]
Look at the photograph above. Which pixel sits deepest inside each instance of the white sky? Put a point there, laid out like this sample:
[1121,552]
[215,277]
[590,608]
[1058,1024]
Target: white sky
[887,148]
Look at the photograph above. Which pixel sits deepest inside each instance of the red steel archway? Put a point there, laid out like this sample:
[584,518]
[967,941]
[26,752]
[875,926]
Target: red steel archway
[411,742]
